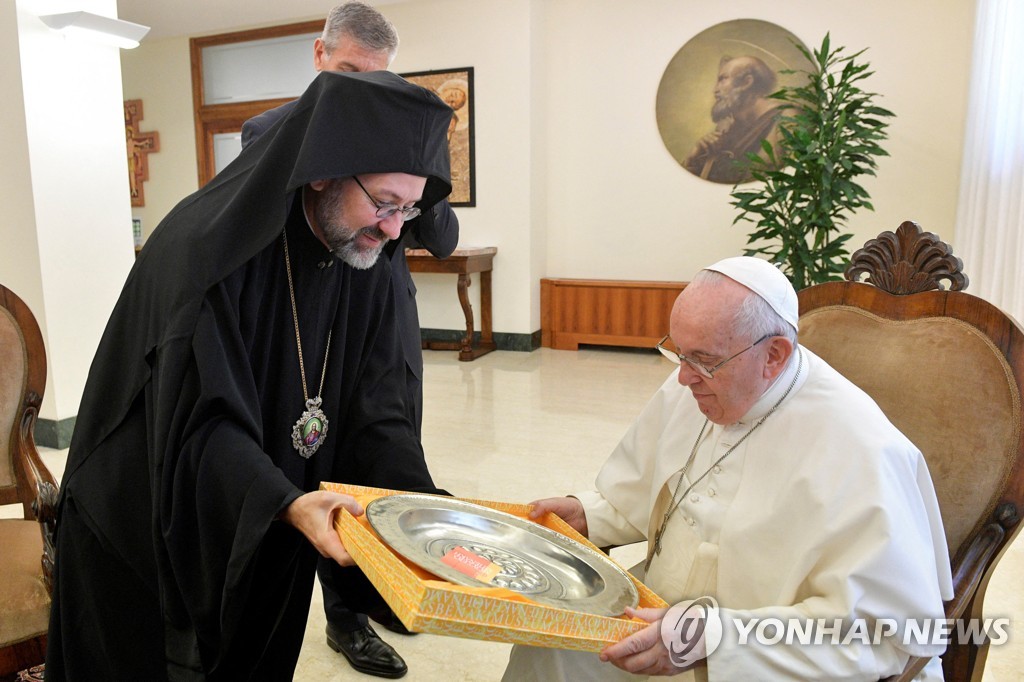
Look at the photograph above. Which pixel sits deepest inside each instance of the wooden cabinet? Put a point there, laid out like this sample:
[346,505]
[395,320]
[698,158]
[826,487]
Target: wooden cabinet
[605,312]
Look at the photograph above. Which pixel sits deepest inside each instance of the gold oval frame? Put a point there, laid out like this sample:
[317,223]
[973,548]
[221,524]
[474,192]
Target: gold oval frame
[686,92]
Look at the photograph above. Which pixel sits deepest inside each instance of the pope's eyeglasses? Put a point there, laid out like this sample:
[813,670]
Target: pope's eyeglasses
[385,209]
[702,369]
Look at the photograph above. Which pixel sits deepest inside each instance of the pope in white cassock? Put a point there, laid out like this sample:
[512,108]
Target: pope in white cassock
[765,479]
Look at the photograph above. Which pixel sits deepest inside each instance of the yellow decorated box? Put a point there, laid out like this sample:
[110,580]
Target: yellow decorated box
[425,603]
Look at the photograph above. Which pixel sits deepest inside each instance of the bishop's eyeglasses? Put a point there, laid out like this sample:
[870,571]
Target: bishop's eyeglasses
[702,369]
[386,209]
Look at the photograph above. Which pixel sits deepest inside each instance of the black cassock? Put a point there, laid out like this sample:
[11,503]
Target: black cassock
[171,563]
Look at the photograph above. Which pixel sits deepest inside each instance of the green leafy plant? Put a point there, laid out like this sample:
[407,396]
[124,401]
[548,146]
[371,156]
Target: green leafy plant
[830,134]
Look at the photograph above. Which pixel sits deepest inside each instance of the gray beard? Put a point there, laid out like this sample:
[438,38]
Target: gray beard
[341,239]
[724,107]
[354,257]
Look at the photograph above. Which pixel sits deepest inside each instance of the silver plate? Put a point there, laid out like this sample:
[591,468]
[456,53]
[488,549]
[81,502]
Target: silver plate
[535,561]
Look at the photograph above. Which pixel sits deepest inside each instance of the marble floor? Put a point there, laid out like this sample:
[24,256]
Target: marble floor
[518,426]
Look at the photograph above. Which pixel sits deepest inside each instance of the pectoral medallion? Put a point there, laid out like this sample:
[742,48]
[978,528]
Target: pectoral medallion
[310,430]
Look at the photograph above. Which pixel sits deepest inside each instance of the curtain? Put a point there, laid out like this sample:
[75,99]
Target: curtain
[990,215]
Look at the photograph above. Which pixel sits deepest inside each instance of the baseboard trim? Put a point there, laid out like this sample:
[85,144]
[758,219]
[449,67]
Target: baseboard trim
[504,341]
[53,433]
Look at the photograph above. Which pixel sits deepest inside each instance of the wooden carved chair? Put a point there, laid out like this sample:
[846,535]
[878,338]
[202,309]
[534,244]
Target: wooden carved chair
[948,370]
[26,544]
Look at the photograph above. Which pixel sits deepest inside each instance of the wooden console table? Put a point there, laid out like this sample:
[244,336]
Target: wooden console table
[463,262]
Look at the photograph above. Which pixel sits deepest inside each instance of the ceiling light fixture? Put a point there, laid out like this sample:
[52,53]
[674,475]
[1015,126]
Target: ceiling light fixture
[117,31]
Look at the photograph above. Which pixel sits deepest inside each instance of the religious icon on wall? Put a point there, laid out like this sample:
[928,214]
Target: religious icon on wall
[140,146]
[713,105]
[455,87]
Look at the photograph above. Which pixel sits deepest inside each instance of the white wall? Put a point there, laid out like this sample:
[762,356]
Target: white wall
[495,39]
[623,208]
[572,177]
[71,126]
[162,79]
[20,245]
[539,167]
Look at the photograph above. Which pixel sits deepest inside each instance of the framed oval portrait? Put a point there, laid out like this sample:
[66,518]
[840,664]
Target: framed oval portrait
[713,106]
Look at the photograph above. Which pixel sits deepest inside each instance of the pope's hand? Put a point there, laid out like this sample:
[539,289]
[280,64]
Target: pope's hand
[644,652]
[568,508]
[313,515]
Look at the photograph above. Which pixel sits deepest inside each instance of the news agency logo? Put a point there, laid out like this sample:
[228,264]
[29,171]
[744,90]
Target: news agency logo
[691,630]
[838,631]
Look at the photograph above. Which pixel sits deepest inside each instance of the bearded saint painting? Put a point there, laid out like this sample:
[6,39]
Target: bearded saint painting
[714,106]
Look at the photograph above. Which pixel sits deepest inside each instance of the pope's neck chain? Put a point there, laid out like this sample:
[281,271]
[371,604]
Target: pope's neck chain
[677,498]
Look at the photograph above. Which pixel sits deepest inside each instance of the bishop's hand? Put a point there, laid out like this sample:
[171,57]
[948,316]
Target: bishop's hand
[313,515]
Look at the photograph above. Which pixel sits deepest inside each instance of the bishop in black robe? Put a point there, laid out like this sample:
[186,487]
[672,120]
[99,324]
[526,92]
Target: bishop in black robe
[172,560]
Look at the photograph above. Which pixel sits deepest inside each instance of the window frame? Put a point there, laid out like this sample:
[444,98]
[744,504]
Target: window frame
[213,119]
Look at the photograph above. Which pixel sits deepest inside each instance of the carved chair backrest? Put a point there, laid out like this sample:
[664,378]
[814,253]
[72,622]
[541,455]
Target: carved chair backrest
[947,368]
[24,478]
[13,373]
[26,564]
[22,380]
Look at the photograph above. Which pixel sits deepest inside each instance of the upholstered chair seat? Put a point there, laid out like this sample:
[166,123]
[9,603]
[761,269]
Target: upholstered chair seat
[24,599]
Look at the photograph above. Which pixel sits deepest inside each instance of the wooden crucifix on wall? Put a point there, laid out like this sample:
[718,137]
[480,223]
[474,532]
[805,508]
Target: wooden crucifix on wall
[140,146]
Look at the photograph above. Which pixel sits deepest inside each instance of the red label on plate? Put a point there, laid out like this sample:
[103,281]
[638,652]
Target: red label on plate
[473,565]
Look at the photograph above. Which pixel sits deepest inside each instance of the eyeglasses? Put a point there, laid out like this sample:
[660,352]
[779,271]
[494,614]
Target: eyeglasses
[703,370]
[385,210]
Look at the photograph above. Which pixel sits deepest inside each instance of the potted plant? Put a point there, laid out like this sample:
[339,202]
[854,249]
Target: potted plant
[830,132]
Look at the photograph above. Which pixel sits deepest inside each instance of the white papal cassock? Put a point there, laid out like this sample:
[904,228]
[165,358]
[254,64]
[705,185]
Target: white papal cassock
[825,511]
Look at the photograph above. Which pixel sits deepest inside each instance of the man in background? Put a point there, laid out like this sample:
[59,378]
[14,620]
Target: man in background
[357,38]
[743,116]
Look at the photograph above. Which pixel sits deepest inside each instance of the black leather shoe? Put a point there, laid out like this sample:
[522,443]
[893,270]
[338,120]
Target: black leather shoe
[366,652]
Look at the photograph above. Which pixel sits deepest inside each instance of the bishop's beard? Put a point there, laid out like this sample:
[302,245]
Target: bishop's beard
[342,239]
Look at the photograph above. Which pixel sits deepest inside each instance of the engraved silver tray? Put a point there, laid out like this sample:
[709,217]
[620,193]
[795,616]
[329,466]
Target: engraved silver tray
[535,561]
